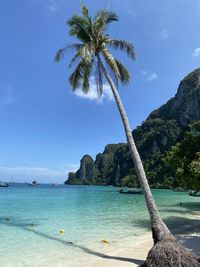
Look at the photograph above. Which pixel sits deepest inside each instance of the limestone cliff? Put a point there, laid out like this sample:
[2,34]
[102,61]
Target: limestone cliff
[185,106]
[162,129]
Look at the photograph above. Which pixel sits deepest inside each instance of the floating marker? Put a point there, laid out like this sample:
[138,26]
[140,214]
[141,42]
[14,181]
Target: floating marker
[62,232]
[105,241]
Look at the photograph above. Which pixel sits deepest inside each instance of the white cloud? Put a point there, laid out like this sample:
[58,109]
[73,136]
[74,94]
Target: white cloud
[164,34]
[51,7]
[73,166]
[128,7]
[144,72]
[6,95]
[24,173]
[93,95]
[150,76]
[130,12]
[196,52]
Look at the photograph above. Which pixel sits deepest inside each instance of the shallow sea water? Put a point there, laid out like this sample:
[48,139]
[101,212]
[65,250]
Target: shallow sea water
[31,218]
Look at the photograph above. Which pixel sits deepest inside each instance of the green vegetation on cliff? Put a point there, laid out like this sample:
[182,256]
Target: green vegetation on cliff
[184,158]
[163,129]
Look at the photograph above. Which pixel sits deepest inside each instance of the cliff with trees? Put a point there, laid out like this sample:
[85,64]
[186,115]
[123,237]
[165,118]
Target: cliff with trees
[164,128]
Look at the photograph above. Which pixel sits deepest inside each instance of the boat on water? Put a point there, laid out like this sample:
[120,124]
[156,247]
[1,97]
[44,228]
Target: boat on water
[54,184]
[130,191]
[194,193]
[32,184]
[4,184]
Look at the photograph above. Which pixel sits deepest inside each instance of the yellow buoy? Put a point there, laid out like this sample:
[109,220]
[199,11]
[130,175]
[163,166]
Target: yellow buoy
[105,241]
[62,232]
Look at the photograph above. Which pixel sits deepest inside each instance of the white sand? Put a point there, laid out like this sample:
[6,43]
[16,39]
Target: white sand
[188,236]
[126,257]
[136,255]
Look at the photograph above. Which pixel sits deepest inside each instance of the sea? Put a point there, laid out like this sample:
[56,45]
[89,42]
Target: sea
[65,226]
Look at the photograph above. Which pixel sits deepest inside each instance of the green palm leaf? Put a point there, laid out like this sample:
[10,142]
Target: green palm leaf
[86,54]
[124,46]
[61,52]
[99,78]
[84,10]
[124,73]
[76,77]
[110,60]
[74,59]
[86,77]
[104,17]
[80,28]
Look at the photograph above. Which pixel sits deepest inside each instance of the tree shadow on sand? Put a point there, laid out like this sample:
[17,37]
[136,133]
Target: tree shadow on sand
[28,225]
[186,230]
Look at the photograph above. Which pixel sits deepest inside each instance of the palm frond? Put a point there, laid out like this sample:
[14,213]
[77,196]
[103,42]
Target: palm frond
[124,73]
[95,43]
[80,28]
[75,19]
[85,54]
[84,10]
[103,18]
[85,13]
[87,70]
[76,77]
[80,33]
[111,16]
[124,46]
[74,59]
[61,52]
[110,60]
[113,76]
[98,78]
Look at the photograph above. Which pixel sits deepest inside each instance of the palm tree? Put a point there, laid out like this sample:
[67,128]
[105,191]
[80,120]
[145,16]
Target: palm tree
[93,57]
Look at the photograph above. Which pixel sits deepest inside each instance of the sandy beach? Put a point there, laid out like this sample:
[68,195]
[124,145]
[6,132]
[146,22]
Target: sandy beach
[188,235]
[126,257]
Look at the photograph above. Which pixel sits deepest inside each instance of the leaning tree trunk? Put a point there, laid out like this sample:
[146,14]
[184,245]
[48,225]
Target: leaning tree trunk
[166,251]
[159,228]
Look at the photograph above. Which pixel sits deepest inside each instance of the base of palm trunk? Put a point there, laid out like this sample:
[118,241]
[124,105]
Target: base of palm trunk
[168,253]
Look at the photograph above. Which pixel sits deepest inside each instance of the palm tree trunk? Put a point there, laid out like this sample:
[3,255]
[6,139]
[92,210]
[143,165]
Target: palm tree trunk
[159,229]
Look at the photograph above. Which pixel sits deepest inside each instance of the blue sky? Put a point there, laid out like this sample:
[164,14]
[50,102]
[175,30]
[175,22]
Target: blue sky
[45,129]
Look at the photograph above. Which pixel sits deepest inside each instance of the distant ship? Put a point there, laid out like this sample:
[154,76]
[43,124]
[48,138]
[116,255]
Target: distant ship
[4,184]
[131,191]
[34,182]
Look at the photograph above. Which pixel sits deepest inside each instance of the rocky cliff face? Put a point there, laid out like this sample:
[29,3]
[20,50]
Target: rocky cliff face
[86,174]
[162,129]
[102,171]
[185,106]
[87,169]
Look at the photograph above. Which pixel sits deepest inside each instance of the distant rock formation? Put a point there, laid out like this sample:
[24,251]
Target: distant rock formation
[163,128]
[102,171]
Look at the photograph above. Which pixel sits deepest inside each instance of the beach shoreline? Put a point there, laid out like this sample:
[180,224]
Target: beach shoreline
[134,256]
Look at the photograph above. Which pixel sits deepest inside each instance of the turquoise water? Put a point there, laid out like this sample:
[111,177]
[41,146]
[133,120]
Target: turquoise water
[31,218]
